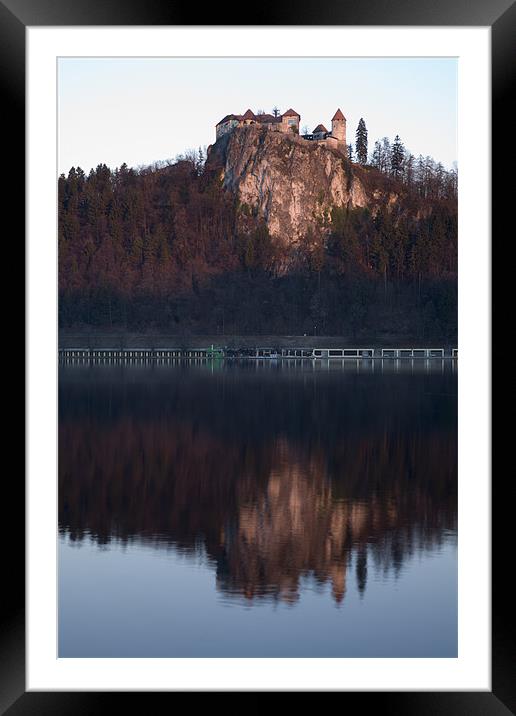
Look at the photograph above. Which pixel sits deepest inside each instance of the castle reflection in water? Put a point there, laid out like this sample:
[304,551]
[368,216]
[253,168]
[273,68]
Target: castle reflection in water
[272,477]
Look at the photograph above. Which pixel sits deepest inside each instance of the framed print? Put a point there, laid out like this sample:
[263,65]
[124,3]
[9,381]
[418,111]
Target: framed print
[258,355]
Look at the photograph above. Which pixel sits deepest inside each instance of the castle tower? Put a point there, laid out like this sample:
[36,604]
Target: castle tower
[338,126]
[290,121]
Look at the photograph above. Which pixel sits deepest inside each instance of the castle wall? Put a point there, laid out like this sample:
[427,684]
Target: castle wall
[222,129]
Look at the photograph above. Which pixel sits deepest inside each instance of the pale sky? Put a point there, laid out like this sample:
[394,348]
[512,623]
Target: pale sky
[139,110]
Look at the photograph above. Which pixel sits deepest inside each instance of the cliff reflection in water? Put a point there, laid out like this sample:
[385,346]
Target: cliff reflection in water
[273,476]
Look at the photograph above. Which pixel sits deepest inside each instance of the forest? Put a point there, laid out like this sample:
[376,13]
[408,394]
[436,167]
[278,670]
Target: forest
[164,248]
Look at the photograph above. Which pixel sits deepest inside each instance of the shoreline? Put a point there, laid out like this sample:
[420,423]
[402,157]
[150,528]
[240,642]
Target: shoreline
[112,340]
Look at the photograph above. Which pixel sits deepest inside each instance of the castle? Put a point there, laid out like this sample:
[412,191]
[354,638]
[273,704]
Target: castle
[287,122]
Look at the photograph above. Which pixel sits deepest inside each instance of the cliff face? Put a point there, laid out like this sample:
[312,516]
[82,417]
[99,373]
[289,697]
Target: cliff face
[289,182]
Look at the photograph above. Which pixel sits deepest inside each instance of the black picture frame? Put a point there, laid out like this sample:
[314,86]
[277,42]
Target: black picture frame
[500,15]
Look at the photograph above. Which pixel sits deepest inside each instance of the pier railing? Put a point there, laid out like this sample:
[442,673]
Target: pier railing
[147,354]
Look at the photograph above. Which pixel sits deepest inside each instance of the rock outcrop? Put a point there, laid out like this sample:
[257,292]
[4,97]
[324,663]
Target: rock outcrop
[291,183]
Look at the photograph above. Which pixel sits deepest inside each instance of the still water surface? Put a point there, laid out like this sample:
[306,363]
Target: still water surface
[241,509]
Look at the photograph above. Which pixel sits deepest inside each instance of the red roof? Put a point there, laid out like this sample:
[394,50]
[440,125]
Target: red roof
[338,115]
[320,128]
[291,113]
[267,118]
[228,117]
[249,115]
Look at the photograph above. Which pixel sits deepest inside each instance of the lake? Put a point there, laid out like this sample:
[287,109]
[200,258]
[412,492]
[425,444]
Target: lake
[258,509]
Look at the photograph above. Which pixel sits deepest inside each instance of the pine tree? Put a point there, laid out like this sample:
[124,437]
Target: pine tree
[350,152]
[361,142]
[397,157]
[376,159]
[201,160]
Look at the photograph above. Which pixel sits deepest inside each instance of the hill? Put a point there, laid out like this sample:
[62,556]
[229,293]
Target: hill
[270,234]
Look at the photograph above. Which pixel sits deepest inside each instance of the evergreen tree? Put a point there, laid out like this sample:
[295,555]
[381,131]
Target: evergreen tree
[376,159]
[361,142]
[201,160]
[350,152]
[397,158]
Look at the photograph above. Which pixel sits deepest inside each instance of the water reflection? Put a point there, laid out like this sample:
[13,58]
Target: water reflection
[276,475]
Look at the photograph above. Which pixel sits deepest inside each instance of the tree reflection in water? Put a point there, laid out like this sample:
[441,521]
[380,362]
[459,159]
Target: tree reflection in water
[276,477]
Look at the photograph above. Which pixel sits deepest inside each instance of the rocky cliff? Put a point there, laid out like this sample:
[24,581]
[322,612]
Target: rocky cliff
[291,183]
